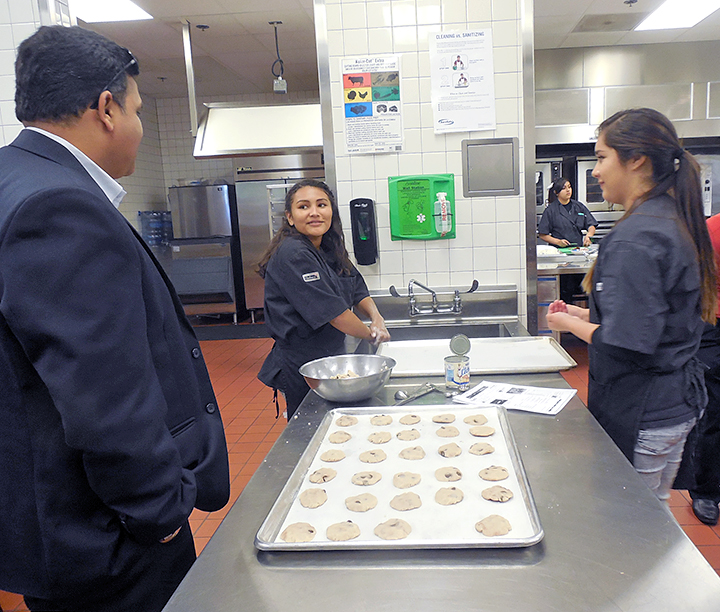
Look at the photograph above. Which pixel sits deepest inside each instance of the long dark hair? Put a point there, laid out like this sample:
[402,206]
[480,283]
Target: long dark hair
[645,131]
[557,186]
[333,241]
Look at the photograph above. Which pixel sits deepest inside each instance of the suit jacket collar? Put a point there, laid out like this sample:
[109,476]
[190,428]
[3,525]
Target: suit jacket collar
[36,143]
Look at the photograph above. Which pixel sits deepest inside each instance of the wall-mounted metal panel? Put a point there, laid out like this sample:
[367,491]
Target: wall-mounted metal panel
[562,107]
[713,101]
[558,69]
[608,66]
[673,100]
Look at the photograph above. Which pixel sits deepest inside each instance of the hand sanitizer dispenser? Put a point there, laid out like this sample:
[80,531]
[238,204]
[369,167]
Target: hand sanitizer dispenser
[364,230]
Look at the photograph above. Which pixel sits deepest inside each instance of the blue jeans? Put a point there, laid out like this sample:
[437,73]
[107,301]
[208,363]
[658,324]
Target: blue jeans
[657,456]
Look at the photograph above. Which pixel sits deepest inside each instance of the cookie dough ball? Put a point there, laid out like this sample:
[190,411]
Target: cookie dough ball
[482,448]
[494,472]
[394,529]
[448,474]
[380,437]
[338,437]
[409,419]
[361,503]
[448,431]
[407,435]
[412,453]
[494,525]
[322,475]
[482,431]
[449,450]
[313,498]
[497,494]
[405,501]
[405,480]
[372,456]
[365,479]
[382,419]
[346,421]
[341,532]
[332,456]
[475,419]
[298,532]
[449,496]
[443,418]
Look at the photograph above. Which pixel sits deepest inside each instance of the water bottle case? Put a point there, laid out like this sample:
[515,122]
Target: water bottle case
[422,207]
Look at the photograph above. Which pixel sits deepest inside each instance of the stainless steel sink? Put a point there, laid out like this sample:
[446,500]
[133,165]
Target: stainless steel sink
[476,330]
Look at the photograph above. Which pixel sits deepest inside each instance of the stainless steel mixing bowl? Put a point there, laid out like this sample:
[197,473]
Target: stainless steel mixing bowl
[372,372]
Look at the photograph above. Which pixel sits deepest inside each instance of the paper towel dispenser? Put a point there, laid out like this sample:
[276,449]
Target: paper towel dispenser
[491,167]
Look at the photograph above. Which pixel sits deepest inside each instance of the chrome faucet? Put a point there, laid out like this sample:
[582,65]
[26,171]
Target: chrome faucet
[436,307]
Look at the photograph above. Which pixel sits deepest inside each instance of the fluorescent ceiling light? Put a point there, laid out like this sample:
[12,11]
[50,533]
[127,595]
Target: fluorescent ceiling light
[93,11]
[679,14]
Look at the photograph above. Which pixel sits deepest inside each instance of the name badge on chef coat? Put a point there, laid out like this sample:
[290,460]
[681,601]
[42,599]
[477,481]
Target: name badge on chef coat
[598,286]
[311,276]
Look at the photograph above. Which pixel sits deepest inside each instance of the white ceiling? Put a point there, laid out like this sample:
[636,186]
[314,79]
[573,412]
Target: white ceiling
[235,54]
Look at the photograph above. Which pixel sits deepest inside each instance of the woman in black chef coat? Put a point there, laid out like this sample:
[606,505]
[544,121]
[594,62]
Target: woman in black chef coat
[310,288]
[564,219]
[650,289]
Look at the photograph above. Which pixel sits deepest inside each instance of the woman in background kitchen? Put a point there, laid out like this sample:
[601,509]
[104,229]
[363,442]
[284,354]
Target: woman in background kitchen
[310,288]
[564,219]
[650,289]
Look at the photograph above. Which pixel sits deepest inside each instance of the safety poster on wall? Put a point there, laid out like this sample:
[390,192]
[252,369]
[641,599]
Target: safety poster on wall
[371,93]
[462,81]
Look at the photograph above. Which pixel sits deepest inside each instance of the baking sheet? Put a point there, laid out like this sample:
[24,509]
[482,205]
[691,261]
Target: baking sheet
[516,355]
[433,525]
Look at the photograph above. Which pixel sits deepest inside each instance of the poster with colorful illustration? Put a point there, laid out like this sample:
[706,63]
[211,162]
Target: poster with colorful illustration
[462,81]
[371,96]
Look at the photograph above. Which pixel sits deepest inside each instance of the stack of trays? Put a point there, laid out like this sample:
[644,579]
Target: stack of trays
[456,467]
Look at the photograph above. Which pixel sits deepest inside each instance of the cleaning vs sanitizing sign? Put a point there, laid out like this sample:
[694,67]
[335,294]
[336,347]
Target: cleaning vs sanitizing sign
[462,80]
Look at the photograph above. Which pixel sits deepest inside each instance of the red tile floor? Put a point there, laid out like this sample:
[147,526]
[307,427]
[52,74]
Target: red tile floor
[251,429]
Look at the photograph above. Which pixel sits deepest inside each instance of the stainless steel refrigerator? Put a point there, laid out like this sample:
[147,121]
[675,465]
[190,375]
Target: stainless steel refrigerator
[260,187]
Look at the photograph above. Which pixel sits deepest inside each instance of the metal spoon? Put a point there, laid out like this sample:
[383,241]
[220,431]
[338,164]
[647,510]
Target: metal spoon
[419,392]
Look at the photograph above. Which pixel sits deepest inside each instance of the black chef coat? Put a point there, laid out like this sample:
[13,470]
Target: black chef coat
[566,222]
[303,293]
[646,299]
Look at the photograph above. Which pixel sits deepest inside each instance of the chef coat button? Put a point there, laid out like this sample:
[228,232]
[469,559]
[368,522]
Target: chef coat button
[196,353]
[211,407]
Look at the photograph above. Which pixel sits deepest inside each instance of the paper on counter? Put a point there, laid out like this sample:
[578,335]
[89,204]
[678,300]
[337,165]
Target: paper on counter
[541,400]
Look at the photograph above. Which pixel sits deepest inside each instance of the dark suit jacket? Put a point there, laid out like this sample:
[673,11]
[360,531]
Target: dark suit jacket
[109,429]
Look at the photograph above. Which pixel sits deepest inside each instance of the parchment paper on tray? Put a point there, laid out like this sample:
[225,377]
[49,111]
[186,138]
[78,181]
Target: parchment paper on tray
[468,468]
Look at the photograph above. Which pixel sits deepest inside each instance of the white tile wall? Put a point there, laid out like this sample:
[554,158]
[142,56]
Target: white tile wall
[489,244]
[18,20]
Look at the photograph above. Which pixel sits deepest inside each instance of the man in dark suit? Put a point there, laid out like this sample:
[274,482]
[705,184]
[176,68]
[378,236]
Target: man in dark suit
[109,429]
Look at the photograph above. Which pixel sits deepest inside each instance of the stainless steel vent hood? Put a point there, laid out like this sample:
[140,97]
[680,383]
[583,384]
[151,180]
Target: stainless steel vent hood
[227,130]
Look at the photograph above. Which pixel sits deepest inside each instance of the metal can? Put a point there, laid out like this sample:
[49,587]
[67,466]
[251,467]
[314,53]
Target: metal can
[457,372]
[457,366]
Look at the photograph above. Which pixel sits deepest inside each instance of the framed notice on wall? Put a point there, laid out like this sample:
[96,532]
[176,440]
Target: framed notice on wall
[462,81]
[371,101]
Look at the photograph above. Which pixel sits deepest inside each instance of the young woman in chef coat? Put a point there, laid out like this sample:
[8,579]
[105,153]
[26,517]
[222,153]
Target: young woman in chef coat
[564,220]
[310,288]
[650,289]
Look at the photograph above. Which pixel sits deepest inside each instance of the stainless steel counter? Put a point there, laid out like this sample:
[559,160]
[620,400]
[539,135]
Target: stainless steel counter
[609,544]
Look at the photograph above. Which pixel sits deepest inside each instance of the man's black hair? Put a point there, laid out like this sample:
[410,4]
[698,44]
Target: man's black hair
[61,71]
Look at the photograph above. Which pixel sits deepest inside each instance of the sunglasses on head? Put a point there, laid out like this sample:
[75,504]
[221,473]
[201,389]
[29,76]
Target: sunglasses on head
[131,61]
